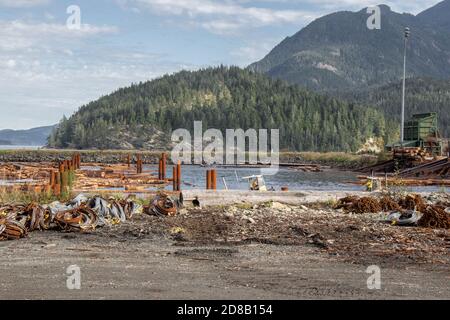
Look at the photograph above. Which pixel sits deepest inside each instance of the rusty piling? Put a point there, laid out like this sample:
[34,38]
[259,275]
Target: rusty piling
[163,166]
[214,179]
[179,176]
[174,178]
[208,179]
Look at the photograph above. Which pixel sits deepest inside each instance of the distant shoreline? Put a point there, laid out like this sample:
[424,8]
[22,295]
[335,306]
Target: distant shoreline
[339,160]
[4,147]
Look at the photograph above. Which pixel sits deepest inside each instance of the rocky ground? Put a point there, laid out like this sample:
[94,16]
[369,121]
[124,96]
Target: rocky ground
[268,250]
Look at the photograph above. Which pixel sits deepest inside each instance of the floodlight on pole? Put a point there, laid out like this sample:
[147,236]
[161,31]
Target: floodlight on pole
[402,126]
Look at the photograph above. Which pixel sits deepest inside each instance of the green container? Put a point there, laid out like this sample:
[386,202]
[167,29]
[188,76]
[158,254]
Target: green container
[421,127]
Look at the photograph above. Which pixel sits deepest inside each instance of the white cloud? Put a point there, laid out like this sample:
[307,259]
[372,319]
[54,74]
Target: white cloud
[18,34]
[47,70]
[229,16]
[222,16]
[327,6]
[11,63]
[254,51]
[35,93]
[23,3]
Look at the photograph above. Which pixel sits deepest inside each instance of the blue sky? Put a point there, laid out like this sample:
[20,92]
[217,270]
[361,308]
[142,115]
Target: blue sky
[48,70]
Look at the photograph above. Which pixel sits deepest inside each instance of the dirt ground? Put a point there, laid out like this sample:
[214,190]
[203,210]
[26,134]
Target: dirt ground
[265,251]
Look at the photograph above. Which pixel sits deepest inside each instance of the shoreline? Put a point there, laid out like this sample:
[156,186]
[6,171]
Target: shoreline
[335,160]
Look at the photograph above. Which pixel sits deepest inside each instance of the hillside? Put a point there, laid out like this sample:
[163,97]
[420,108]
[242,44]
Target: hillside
[143,115]
[338,52]
[437,16]
[31,137]
[423,95]
[5,143]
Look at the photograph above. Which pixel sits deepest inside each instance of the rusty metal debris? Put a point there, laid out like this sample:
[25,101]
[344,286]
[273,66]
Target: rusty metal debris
[19,219]
[409,210]
[435,217]
[80,214]
[359,205]
[11,229]
[164,205]
[81,218]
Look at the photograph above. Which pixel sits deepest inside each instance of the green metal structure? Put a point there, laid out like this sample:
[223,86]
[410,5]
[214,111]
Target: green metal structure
[421,127]
[421,131]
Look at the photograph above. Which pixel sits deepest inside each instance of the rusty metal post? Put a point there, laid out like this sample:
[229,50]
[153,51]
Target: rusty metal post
[179,176]
[174,178]
[52,178]
[64,181]
[214,179]
[164,166]
[138,162]
[128,160]
[57,186]
[208,179]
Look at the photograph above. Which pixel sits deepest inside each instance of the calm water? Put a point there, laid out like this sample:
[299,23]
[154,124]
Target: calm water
[194,177]
[293,179]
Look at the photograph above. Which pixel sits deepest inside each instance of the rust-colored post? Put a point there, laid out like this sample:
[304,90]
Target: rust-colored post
[57,186]
[179,176]
[164,166]
[208,179]
[52,178]
[174,178]
[64,181]
[214,179]
[138,161]
[128,160]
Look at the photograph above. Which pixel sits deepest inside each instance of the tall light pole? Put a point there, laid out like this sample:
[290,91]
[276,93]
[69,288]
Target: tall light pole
[402,130]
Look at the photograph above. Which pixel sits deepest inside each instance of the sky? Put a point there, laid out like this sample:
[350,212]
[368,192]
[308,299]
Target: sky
[49,69]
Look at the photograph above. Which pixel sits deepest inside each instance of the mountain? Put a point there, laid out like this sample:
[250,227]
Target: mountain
[437,16]
[338,52]
[5,143]
[423,95]
[144,115]
[32,137]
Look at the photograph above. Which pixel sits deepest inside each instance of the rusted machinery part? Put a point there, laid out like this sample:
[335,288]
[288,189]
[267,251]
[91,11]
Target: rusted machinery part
[11,229]
[129,207]
[162,205]
[81,214]
[38,217]
[32,217]
[81,218]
